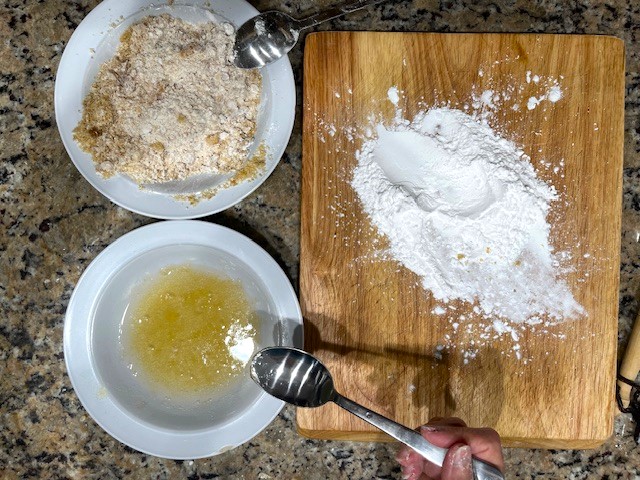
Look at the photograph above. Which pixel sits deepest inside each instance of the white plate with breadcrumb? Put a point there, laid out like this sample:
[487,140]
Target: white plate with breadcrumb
[93,44]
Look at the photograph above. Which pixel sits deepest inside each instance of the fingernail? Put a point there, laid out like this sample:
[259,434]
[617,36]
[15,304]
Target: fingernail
[461,459]
[408,472]
[428,428]
[403,455]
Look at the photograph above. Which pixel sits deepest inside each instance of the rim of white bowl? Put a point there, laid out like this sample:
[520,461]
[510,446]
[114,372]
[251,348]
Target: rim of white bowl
[106,411]
[68,97]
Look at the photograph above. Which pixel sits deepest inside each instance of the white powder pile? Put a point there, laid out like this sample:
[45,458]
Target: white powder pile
[463,208]
[239,341]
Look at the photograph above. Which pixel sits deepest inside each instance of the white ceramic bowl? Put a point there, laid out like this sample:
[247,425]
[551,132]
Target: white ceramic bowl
[124,405]
[96,40]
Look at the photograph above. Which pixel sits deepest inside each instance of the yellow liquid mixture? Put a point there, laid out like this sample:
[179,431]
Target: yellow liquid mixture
[190,330]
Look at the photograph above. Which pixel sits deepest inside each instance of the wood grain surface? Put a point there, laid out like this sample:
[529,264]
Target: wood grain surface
[366,319]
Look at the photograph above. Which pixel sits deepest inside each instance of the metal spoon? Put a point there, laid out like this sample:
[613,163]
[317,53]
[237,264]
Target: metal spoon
[271,35]
[299,378]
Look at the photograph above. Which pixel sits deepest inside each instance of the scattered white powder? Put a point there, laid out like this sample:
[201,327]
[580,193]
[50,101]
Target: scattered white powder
[393,95]
[469,354]
[533,102]
[487,102]
[239,341]
[463,208]
[555,94]
[488,98]
[260,27]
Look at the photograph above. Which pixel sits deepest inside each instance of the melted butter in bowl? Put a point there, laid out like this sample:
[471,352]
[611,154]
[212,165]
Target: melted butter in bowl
[189,331]
[173,332]
[157,416]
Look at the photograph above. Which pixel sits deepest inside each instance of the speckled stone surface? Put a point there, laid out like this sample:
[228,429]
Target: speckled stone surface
[53,223]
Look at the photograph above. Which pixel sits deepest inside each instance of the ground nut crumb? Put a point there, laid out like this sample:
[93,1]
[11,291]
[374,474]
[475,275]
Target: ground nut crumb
[171,104]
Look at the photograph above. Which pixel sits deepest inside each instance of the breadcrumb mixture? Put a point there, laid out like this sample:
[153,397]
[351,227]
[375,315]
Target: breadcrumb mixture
[171,104]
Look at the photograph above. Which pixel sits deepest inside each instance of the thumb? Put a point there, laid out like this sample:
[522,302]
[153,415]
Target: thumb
[457,463]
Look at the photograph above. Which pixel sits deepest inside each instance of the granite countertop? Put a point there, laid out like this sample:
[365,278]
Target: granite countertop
[54,223]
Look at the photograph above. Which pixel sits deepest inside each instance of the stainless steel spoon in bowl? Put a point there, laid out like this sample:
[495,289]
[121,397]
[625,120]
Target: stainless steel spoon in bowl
[300,379]
[271,35]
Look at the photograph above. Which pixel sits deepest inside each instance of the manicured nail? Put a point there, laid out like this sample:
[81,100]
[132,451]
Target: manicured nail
[462,458]
[410,472]
[403,455]
[428,428]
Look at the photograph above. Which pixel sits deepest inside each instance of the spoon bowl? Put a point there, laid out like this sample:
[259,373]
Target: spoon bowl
[264,39]
[271,35]
[293,376]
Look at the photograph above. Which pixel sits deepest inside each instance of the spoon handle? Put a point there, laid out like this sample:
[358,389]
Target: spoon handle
[481,470]
[335,12]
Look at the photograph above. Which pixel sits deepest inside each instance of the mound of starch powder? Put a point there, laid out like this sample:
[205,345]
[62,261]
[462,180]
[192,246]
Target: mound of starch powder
[464,209]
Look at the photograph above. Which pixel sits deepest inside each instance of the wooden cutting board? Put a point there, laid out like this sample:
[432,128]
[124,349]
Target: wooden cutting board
[367,320]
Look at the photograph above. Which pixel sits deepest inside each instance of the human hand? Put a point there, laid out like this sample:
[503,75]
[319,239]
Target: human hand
[463,443]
